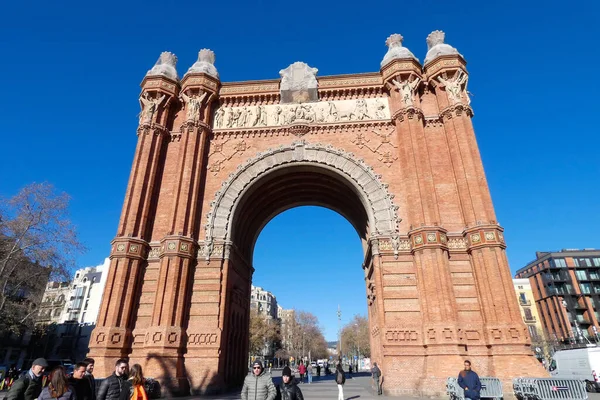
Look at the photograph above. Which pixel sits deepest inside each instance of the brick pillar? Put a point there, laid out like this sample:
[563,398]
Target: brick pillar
[167,336]
[508,352]
[112,337]
[427,343]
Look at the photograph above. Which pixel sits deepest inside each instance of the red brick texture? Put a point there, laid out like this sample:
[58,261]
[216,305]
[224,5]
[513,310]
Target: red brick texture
[439,288]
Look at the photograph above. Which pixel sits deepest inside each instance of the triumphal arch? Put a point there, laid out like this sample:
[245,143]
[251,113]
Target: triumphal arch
[393,151]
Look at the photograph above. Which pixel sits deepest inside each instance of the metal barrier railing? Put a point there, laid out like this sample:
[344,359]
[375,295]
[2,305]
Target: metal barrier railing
[491,388]
[549,389]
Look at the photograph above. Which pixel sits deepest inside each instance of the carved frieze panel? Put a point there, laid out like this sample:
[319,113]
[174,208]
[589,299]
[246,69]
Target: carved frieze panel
[272,115]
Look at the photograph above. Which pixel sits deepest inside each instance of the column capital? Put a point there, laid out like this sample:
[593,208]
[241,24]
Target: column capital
[484,235]
[129,247]
[428,237]
[177,246]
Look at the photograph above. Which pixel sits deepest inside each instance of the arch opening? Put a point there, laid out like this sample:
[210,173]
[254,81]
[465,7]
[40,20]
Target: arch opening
[293,186]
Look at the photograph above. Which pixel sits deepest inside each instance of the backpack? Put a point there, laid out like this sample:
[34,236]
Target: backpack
[340,377]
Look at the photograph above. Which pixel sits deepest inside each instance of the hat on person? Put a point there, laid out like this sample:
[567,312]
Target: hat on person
[257,363]
[286,371]
[41,362]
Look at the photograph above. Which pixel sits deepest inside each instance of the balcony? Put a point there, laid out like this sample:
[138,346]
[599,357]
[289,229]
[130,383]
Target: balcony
[524,302]
[530,320]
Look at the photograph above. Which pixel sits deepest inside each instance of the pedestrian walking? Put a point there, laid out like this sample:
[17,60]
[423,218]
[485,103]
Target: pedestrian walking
[59,387]
[302,371]
[135,384]
[288,390]
[318,370]
[469,381]
[89,376]
[29,385]
[309,372]
[376,374]
[112,387]
[258,385]
[340,379]
[80,384]
[350,369]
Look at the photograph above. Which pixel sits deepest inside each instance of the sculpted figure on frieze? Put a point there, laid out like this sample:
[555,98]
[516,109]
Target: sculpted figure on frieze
[149,107]
[193,104]
[219,115]
[407,89]
[454,86]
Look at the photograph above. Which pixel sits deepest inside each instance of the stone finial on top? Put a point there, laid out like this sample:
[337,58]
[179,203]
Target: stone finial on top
[205,64]
[395,50]
[436,46]
[298,83]
[165,66]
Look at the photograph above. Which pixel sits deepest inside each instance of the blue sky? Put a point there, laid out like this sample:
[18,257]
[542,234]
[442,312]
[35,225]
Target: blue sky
[71,72]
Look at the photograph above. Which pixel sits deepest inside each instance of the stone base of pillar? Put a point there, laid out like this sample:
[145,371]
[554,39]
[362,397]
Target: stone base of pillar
[427,376]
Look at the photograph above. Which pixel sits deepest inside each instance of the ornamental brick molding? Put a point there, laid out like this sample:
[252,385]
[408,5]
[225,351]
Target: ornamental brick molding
[382,212]
[393,151]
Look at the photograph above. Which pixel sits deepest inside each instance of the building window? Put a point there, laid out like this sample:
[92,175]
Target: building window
[585,288]
[596,261]
[528,314]
[581,275]
[57,312]
[533,332]
[522,298]
[560,262]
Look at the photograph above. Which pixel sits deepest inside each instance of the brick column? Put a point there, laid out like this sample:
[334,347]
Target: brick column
[503,330]
[112,337]
[435,334]
[167,336]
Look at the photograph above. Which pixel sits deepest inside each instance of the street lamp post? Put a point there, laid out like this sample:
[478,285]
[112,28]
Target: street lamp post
[358,348]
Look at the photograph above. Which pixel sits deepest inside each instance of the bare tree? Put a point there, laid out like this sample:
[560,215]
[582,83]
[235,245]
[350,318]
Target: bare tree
[303,335]
[355,336]
[263,332]
[37,242]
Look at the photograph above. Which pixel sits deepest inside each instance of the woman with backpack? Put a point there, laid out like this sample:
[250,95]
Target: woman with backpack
[340,379]
[136,381]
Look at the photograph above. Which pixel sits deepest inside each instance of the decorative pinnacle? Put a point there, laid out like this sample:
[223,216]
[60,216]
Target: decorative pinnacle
[435,38]
[165,66]
[206,55]
[394,40]
[166,57]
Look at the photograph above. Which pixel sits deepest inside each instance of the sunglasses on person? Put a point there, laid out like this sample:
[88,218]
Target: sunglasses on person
[256,368]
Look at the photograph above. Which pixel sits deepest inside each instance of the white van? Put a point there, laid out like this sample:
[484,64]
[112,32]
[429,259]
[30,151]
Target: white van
[581,364]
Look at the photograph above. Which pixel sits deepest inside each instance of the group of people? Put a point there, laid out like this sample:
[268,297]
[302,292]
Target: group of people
[259,386]
[123,384]
[81,385]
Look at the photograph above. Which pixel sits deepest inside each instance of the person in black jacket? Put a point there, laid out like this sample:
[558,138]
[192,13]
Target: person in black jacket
[80,384]
[288,390]
[111,387]
[90,376]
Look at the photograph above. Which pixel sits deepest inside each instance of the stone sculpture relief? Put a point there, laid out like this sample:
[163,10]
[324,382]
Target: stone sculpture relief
[193,104]
[407,89]
[454,87]
[149,107]
[286,114]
